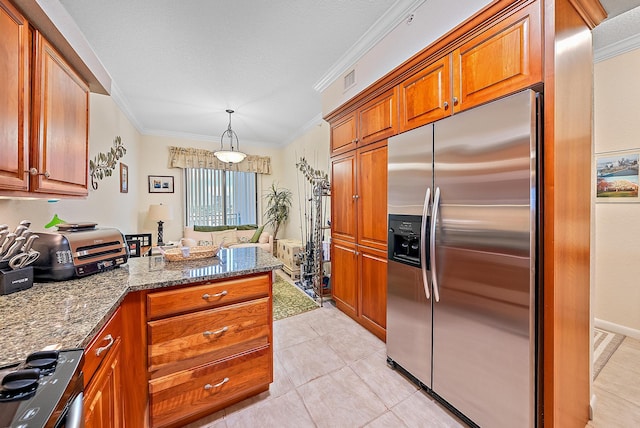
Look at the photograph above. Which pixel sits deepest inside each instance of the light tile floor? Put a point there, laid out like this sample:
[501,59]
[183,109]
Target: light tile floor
[617,388]
[331,372]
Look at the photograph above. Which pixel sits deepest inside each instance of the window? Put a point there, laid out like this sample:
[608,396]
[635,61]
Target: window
[216,197]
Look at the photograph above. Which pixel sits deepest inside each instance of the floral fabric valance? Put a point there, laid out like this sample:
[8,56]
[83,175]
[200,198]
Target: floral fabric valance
[184,157]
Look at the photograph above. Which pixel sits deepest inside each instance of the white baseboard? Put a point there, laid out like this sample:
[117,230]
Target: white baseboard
[616,328]
[592,406]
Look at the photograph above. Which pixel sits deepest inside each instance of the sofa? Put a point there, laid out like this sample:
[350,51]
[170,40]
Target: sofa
[246,235]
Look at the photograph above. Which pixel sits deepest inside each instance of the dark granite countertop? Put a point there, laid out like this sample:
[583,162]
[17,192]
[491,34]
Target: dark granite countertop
[67,314]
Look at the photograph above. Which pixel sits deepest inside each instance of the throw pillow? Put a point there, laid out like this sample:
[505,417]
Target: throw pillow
[264,238]
[256,236]
[225,238]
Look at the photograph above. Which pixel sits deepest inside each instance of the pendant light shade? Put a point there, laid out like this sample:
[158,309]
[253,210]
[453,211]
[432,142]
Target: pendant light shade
[232,155]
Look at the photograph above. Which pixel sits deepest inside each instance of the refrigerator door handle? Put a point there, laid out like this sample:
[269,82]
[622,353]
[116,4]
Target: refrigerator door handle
[432,252]
[423,255]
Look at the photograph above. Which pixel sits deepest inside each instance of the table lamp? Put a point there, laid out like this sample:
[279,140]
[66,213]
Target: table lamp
[160,213]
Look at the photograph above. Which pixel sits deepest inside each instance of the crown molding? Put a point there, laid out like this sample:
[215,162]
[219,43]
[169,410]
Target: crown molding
[396,14]
[618,48]
[120,100]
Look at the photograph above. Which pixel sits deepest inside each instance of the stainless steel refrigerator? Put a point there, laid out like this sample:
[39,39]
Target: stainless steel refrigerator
[461,308]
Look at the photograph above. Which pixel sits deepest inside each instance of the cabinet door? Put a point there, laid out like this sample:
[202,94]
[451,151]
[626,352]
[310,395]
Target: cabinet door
[344,274]
[426,96]
[378,118]
[372,266]
[372,196]
[499,61]
[344,134]
[61,125]
[343,197]
[14,93]
[103,400]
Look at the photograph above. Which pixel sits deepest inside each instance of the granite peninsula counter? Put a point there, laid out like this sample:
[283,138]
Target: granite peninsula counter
[68,314]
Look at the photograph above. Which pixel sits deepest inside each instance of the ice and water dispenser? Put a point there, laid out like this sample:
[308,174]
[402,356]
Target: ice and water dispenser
[405,243]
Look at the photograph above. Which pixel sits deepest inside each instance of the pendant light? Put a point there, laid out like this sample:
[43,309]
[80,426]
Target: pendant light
[229,156]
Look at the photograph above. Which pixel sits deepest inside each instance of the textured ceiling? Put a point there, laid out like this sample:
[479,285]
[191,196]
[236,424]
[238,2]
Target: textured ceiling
[177,65]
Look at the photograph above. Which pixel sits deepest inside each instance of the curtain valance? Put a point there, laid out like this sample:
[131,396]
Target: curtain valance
[185,157]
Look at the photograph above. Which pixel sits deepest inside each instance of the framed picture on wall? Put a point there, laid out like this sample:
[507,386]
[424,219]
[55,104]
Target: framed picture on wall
[617,176]
[160,184]
[124,178]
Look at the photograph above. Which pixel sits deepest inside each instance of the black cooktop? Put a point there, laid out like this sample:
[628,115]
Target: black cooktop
[34,393]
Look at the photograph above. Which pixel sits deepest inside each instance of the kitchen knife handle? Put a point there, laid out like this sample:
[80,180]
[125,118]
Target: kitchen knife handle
[423,233]
[432,252]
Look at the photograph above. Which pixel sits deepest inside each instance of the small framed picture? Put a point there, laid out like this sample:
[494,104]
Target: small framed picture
[160,184]
[617,176]
[124,178]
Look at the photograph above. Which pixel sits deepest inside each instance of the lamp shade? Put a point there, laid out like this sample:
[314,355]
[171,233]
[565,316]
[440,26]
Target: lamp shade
[160,212]
[230,156]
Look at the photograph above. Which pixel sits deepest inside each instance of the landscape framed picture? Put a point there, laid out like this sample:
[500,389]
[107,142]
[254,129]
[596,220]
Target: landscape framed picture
[160,184]
[617,176]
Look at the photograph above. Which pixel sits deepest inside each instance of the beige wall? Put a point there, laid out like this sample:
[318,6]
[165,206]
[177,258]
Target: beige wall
[431,20]
[155,162]
[617,229]
[313,146]
[106,205]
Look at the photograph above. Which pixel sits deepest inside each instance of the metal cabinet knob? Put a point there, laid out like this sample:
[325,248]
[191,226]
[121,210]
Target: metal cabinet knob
[455,101]
[446,105]
[34,171]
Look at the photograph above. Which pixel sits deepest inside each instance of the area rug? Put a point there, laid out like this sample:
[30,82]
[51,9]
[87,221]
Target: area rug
[289,300]
[605,344]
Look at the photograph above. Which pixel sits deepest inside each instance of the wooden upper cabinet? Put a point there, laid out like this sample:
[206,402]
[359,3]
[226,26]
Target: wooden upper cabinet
[343,197]
[499,61]
[426,96]
[344,134]
[14,96]
[377,119]
[60,125]
[371,195]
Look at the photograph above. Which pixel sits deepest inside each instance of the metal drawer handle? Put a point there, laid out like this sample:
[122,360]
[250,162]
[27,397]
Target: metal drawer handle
[207,296]
[105,348]
[217,385]
[217,332]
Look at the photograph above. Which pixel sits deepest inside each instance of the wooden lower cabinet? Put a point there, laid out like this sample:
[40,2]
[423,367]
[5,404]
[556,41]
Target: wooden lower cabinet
[372,267]
[212,350]
[359,284]
[344,276]
[209,387]
[103,399]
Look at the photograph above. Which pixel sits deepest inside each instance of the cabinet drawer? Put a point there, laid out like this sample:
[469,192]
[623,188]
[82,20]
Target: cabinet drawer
[224,331]
[101,346]
[208,295]
[207,387]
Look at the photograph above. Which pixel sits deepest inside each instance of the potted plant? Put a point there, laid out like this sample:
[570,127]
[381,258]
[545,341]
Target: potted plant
[278,207]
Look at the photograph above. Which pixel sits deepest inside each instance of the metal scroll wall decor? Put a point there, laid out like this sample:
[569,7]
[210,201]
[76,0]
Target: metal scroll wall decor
[104,163]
